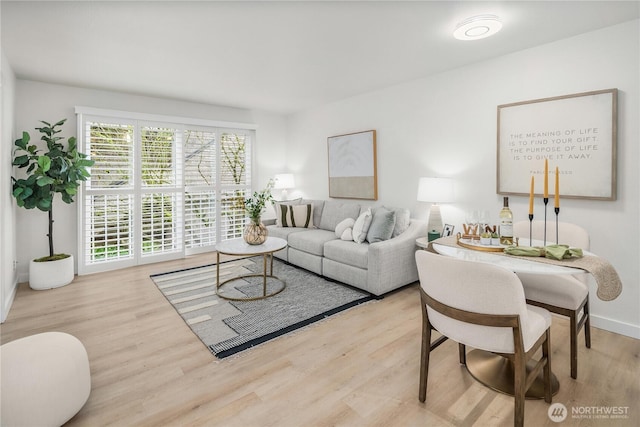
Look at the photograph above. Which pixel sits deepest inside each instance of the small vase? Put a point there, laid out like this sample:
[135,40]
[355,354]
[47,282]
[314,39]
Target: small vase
[255,233]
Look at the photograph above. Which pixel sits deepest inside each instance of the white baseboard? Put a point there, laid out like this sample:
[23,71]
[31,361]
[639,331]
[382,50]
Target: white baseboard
[615,326]
[9,301]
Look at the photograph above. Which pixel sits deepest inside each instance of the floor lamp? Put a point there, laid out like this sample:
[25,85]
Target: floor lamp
[435,190]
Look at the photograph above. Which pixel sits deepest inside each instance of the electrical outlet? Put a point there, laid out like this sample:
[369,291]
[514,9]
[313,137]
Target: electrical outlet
[15,264]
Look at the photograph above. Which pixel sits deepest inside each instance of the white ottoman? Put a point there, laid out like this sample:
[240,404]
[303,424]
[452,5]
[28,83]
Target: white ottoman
[45,380]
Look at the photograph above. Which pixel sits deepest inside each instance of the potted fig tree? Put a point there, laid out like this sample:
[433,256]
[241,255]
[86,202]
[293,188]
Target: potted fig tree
[59,169]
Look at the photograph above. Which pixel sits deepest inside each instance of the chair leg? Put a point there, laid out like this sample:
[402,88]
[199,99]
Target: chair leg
[587,325]
[546,354]
[462,353]
[573,331]
[520,379]
[424,359]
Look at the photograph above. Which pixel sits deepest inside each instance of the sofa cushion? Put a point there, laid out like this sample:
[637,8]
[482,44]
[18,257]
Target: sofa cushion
[334,212]
[361,226]
[349,253]
[300,216]
[311,241]
[382,224]
[283,232]
[306,260]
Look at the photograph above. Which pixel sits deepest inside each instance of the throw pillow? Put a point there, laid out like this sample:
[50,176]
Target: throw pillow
[403,219]
[276,207]
[347,235]
[300,216]
[361,226]
[343,225]
[382,225]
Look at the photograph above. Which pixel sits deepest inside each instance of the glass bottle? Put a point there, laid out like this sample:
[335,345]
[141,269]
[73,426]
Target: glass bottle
[506,224]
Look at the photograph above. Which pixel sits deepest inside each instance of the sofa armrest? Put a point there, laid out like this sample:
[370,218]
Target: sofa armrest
[392,263]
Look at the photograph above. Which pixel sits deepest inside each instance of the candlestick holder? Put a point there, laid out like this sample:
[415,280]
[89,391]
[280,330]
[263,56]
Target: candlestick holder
[546,202]
[530,229]
[557,211]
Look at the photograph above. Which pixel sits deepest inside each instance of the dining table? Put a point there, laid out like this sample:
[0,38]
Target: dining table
[494,370]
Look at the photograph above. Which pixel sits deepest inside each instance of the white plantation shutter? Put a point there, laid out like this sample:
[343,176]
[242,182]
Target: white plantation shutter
[200,219]
[109,228]
[108,200]
[159,190]
[160,152]
[235,181]
[110,146]
[161,200]
[235,150]
[200,166]
[161,225]
[199,159]
[233,218]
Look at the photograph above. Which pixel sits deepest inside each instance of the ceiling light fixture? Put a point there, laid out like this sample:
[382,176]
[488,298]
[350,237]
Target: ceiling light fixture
[477,27]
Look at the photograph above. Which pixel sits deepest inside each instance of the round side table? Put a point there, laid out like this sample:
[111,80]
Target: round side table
[239,247]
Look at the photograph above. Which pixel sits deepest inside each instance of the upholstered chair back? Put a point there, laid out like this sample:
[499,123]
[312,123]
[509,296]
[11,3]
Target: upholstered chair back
[568,233]
[478,288]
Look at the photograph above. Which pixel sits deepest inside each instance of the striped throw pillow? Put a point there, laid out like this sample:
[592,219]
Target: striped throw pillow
[300,216]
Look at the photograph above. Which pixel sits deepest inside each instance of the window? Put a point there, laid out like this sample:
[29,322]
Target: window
[160,188]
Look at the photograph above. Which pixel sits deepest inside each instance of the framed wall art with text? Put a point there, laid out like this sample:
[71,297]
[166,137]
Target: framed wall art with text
[575,133]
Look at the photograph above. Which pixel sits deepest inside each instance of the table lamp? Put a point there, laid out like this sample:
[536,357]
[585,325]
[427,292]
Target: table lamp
[283,181]
[435,190]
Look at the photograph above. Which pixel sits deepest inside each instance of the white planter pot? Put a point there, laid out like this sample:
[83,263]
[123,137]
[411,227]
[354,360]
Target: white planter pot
[51,274]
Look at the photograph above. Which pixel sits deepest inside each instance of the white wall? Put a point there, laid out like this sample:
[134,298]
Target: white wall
[37,101]
[8,276]
[445,125]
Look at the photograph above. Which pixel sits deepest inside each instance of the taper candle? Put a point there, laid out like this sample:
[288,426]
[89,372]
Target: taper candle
[557,195]
[531,198]
[546,179]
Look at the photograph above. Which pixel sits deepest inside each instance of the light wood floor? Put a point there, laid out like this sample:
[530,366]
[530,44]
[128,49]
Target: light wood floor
[358,368]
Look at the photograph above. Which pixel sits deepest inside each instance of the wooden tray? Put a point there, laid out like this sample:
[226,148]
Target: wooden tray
[477,246]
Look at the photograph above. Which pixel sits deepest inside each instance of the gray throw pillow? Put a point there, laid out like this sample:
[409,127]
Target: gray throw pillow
[403,219]
[382,225]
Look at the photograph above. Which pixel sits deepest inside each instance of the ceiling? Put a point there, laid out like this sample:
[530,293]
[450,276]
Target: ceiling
[281,57]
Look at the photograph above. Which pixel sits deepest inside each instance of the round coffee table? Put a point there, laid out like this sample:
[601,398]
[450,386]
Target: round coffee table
[239,247]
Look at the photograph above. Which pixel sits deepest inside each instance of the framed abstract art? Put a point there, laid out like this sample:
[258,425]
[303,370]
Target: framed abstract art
[352,166]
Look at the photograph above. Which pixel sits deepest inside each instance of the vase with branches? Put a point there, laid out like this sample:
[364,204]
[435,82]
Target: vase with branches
[255,205]
[256,233]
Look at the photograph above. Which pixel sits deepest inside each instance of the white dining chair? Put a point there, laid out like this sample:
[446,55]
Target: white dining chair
[482,306]
[566,295]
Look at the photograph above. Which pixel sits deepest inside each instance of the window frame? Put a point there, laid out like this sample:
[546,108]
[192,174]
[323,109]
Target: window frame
[180,124]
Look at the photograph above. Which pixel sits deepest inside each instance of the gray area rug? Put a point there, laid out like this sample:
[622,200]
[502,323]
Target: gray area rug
[227,327]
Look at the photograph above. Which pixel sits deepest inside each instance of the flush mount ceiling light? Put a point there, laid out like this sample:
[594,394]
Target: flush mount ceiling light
[477,27]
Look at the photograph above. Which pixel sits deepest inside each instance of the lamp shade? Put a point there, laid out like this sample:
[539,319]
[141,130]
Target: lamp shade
[435,190]
[283,181]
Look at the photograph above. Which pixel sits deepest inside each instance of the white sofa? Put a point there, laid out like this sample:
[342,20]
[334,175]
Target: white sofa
[377,267]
